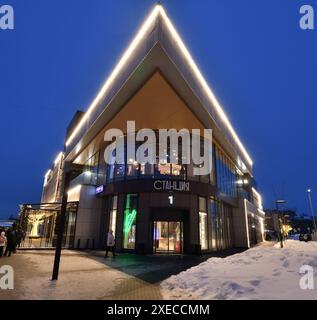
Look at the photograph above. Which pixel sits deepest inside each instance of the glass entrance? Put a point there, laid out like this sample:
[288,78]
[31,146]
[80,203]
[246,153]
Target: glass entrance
[168,237]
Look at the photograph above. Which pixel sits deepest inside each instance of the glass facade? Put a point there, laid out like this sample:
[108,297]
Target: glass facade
[203,224]
[254,227]
[226,174]
[214,225]
[214,215]
[91,169]
[129,221]
[41,225]
[220,225]
[110,171]
[168,237]
[113,214]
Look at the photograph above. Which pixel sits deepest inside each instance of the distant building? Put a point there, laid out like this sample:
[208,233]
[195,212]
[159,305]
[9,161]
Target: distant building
[289,217]
[272,215]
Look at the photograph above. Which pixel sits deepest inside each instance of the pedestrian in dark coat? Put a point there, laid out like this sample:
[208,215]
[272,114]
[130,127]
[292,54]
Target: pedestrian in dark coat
[11,243]
[19,236]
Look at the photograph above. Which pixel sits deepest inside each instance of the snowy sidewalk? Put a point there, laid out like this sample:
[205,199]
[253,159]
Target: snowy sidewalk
[263,272]
[81,277]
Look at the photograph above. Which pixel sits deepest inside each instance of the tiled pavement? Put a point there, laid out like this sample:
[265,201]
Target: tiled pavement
[148,271]
[137,277]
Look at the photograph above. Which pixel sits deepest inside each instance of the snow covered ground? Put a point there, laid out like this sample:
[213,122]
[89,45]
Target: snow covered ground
[264,272]
[82,276]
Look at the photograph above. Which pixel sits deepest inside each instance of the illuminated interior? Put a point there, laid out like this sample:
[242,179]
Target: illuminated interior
[129,224]
[168,237]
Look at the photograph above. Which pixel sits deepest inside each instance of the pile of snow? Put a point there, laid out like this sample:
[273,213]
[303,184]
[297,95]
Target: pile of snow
[264,272]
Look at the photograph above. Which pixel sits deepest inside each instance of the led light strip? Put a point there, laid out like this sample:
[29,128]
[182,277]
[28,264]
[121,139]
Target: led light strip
[117,69]
[259,198]
[246,221]
[204,83]
[46,176]
[159,10]
[58,158]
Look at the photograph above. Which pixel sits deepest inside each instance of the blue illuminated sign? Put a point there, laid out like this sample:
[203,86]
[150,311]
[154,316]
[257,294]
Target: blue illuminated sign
[99,189]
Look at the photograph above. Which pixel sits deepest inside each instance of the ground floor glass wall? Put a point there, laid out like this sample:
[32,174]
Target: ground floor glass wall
[203,223]
[129,222]
[113,214]
[255,229]
[40,223]
[168,234]
[219,225]
[168,237]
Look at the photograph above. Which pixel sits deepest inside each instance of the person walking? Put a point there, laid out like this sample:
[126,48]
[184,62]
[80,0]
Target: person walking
[11,243]
[110,243]
[3,242]
[19,236]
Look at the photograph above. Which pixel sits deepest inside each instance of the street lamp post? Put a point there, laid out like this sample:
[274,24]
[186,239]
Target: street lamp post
[311,207]
[62,218]
[277,202]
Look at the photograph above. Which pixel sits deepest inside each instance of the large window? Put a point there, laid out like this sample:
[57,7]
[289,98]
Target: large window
[129,222]
[91,169]
[132,169]
[212,224]
[226,174]
[203,223]
[164,168]
[146,170]
[119,171]
[113,214]
[220,228]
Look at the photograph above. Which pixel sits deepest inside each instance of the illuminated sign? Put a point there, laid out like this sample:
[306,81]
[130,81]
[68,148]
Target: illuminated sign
[128,221]
[168,185]
[99,189]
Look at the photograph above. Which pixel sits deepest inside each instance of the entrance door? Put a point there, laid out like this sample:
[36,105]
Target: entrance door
[168,237]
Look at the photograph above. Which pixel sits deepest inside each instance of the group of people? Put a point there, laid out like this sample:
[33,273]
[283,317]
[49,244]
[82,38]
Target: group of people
[9,241]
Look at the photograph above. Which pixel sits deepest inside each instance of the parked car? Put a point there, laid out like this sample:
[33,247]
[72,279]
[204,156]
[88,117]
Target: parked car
[305,237]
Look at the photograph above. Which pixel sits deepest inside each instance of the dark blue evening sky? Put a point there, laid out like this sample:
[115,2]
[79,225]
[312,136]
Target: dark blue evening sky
[260,64]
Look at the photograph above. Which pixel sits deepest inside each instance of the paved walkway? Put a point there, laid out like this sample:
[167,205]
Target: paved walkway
[88,275]
[156,268]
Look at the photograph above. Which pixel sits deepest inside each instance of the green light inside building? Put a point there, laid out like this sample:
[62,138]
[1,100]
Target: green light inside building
[129,223]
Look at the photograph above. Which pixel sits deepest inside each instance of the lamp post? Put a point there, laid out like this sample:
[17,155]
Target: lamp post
[311,208]
[62,220]
[277,202]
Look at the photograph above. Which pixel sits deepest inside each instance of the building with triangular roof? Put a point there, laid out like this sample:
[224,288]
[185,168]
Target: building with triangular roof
[162,207]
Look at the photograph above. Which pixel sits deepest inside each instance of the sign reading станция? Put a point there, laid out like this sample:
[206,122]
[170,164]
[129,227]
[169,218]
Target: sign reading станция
[168,185]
